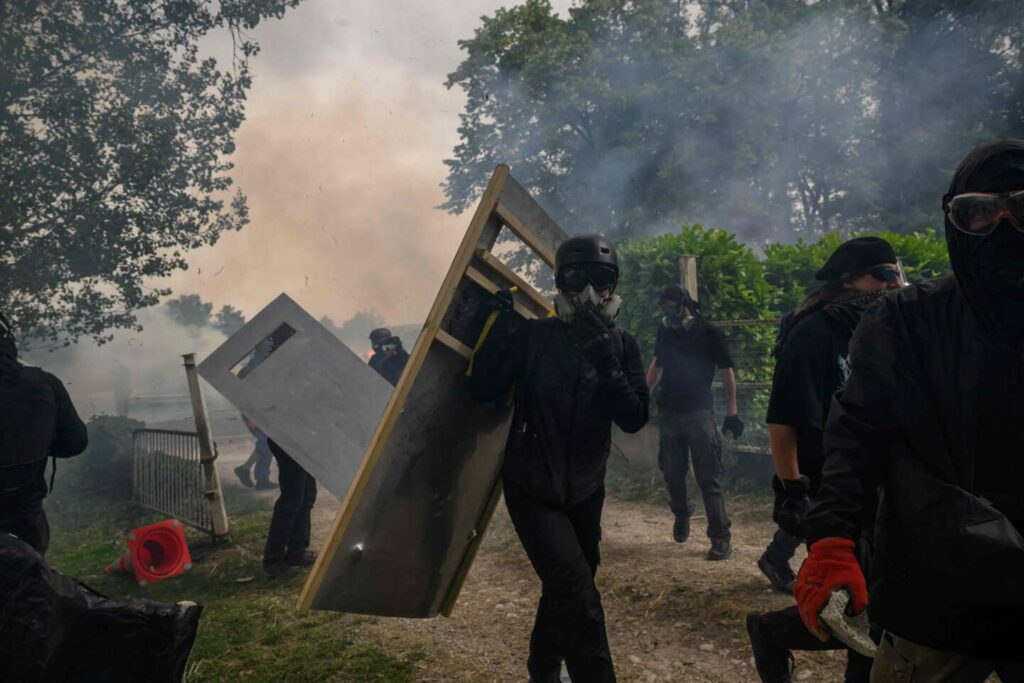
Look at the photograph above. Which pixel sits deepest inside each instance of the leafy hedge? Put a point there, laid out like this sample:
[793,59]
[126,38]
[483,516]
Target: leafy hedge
[735,282]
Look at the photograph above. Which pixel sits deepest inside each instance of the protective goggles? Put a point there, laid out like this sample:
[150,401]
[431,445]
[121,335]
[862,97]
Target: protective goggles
[386,346]
[575,278]
[979,214]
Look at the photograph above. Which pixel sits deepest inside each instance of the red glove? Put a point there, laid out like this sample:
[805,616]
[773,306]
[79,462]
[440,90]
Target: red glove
[830,566]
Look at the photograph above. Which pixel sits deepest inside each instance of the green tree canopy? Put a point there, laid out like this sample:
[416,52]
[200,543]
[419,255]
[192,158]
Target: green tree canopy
[189,310]
[229,320]
[114,134]
[771,118]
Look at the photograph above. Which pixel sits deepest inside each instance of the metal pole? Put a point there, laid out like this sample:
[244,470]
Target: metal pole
[207,449]
[688,274]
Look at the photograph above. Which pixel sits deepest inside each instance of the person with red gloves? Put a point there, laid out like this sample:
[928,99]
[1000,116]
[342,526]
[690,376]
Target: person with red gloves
[811,364]
[933,414]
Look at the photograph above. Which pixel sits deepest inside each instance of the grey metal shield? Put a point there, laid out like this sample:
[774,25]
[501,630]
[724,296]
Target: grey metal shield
[314,397]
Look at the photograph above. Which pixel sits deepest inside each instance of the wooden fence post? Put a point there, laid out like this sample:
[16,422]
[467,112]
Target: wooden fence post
[688,275]
[207,449]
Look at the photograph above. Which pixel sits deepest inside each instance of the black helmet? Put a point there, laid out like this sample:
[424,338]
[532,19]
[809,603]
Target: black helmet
[586,250]
[379,335]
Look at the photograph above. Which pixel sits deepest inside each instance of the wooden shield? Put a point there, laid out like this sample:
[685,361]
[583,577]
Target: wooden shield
[413,519]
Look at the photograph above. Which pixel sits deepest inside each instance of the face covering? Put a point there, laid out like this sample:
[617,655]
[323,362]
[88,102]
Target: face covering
[989,268]
[566,305]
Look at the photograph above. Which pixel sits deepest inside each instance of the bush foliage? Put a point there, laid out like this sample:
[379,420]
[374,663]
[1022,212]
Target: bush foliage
[735,282]
[104,471]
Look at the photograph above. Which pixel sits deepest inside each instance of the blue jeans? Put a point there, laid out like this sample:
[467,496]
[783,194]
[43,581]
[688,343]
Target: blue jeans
[261,470]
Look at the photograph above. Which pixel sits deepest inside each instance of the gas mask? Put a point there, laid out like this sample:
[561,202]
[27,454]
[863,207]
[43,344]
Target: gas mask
[677,315]
[388,347]
[566,305]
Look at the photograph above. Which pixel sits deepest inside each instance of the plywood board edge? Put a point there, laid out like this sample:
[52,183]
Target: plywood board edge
[486,206]
[448,606]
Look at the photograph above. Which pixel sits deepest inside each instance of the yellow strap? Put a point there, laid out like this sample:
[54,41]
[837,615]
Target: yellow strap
[488,324]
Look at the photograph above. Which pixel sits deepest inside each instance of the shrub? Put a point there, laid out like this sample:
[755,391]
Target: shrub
[104,470]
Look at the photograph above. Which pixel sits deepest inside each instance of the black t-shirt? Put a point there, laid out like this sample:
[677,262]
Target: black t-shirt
[688,359]
[812,364]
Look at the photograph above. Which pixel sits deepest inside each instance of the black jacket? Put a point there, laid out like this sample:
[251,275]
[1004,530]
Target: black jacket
[37,420]
[948,571]
[561,431]
[390,367]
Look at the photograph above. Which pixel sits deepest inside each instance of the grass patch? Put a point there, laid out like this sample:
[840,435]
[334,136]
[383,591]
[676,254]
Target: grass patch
[250,629]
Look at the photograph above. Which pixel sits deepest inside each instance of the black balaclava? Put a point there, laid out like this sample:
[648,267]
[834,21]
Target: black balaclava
[990,270]
[10,369]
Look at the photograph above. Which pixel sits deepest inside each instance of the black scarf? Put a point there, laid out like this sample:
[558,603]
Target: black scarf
[846,308]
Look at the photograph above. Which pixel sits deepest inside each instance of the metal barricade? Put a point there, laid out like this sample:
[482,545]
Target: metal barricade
[168,475]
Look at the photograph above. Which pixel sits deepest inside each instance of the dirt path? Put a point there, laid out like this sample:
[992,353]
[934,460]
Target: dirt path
[672,615]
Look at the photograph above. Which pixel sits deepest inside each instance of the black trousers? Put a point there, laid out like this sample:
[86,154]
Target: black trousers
[786,631]
[694,436]
[562,544]
[28,524]
[288,536]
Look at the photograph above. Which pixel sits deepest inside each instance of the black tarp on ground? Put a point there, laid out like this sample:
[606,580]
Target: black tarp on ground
[53,628]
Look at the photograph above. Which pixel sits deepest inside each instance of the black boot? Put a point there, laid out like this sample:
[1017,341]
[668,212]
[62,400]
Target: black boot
[781,575]
[721,549]
[774,664]
[681,529]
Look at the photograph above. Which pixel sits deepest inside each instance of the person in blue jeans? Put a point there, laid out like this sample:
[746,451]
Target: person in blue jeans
[259,460]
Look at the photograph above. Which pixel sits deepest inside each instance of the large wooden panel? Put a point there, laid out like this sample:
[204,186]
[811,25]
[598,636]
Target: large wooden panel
[312,395]
[406,534]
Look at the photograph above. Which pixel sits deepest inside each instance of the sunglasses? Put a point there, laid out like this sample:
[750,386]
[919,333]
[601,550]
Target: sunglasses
[576,278]
[978,213]
[885,274]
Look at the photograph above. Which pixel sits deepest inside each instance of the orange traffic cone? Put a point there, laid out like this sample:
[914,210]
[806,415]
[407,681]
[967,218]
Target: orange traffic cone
[155,552]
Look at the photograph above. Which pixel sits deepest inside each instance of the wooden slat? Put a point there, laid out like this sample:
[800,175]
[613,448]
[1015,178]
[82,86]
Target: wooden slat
[526,218]
[492,287]
[495,264]
[454,344]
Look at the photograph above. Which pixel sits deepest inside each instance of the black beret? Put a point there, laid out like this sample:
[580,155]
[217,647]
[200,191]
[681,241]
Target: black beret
[855,256]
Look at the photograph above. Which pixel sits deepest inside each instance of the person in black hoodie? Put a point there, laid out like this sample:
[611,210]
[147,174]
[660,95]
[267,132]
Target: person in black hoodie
[811,364]
[573,375]
[933,413]
[37,421]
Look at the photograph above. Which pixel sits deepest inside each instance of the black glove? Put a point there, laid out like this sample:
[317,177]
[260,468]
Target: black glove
[733,424]
[507,322]
[597,342]
[791,502]
[500,301]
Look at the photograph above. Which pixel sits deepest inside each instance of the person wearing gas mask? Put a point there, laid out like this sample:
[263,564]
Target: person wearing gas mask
[37,421]
[389,358]
[571,375]
[933,413]
[811,364]
[687,352]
